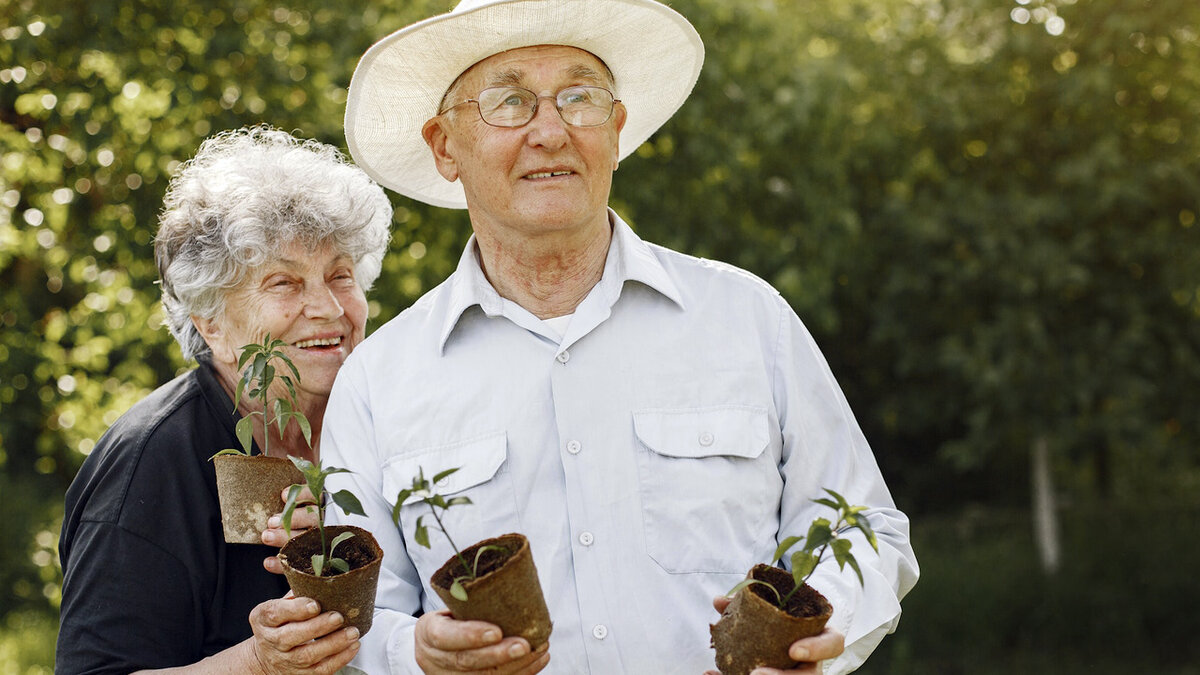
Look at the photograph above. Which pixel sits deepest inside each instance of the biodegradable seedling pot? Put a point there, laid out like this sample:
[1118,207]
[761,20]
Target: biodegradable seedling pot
[753,631]
[505,590]
[772,608]
[250,491]
[352,594]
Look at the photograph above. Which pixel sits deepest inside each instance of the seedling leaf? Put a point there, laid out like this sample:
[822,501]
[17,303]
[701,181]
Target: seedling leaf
[339,539]
[803,564]
[245,432]
[422,533]
[348,502]
[457,590]
[783,547]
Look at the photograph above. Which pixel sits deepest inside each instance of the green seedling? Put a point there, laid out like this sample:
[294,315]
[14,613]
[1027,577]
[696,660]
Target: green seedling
[258,374]
[822,536]
[422,490]
[314,478]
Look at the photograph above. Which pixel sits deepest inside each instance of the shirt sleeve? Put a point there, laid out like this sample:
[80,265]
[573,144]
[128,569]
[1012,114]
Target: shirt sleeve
[348,440]
[128,604]
[823,447]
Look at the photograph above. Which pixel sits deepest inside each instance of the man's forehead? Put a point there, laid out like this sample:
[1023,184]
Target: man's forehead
[515,66]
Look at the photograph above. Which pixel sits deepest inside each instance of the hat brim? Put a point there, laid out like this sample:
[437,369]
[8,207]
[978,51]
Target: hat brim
[654,54]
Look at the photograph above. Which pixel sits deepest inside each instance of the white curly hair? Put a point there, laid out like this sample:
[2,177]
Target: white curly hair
[246,195]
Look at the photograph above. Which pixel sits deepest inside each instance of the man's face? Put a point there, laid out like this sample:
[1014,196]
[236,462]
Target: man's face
[544,176]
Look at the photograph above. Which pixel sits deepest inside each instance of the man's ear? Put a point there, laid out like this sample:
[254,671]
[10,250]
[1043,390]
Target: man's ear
[619,116]
[216,337]
[437,138]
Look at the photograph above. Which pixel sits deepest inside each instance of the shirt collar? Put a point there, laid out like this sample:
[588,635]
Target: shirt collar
[629,259]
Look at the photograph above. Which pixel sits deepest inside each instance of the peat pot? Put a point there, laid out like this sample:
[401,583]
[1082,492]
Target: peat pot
[250,491]
[352,594]
[505,591]
[753,631]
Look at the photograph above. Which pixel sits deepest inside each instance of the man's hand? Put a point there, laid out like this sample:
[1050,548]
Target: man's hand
[303,518]
[292,635]
[810,651]
[446,645]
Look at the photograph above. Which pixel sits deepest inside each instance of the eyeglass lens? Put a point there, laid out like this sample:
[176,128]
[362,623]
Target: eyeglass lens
[580,106]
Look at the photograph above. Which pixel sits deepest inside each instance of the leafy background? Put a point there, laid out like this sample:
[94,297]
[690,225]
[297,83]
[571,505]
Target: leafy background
[985,210]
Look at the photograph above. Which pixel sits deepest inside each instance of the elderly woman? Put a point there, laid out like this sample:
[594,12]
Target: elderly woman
[261,234]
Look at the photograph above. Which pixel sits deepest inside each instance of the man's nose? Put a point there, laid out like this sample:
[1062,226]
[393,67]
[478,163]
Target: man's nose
[547,126]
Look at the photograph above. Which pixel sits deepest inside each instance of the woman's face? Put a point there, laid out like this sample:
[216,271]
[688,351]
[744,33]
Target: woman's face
[310,300]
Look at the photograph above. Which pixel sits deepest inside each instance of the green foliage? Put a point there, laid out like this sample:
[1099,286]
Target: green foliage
[314,480]
[258,376]
[422,490]
[822,536]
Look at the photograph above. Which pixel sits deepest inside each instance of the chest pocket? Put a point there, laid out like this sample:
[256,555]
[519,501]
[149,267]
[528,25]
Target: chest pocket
[482,476]
[710,491]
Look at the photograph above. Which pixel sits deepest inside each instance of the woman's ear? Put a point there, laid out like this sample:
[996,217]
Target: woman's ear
[436,136]
[217,338]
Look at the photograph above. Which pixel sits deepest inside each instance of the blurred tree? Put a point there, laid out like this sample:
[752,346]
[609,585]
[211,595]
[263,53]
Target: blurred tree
[98,104]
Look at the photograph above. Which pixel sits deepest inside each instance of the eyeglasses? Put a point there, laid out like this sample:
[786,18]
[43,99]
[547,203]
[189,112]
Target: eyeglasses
[579,106]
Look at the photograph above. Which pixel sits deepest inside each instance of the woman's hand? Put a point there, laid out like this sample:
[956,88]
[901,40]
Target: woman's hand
[292,635]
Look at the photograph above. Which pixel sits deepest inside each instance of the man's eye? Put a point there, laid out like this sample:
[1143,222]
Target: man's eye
[575,96]
[513,100]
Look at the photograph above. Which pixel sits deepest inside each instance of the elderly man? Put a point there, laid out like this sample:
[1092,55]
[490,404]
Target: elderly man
[654,423]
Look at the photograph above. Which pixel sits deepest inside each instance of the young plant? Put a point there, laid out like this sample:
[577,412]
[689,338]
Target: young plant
[258,374]
[422,490]
[822,536]
[314,478]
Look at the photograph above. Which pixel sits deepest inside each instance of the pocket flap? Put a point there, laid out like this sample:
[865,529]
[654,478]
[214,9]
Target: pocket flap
[735,431]
[477,459]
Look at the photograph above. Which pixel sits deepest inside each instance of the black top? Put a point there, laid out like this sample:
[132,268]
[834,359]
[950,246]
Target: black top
[149,581]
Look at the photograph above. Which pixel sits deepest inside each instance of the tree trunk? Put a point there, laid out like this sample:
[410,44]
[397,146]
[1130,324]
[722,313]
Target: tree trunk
[1045,510]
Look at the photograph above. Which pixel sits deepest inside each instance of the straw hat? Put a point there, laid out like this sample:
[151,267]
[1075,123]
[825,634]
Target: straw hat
[654,54]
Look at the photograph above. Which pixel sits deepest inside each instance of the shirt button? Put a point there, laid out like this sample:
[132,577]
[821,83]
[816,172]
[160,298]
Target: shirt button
[563,357]
[600,631]
[586,538]
[574,447]
[706,438]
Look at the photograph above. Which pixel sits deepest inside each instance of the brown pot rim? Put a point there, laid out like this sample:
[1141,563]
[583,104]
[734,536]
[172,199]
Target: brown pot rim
[443,579]
[772,571]
[331,531]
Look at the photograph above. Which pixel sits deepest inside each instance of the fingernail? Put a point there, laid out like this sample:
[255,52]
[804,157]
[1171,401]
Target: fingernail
[800,654]
[491,635]
[313,606]
[352,633]
[516,650]
[274,521]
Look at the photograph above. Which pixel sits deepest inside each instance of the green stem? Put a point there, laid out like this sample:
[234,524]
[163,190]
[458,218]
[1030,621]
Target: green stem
[442,527]
[820,555]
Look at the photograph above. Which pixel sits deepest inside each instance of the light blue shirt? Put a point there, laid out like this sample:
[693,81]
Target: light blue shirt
[677,430]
